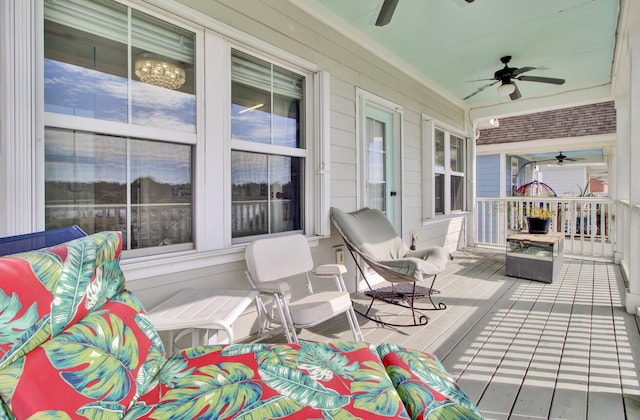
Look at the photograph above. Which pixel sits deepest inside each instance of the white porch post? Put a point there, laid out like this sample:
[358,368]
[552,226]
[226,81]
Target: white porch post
[471,188]
[17,126]
[631,150]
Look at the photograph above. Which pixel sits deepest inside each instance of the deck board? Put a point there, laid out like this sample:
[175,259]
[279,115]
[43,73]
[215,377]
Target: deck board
[524,349]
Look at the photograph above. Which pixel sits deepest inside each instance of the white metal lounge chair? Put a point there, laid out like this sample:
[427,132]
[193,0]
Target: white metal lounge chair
[274,266]
[368,234]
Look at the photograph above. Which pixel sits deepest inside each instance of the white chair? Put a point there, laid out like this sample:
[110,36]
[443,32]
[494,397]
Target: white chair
[275,266]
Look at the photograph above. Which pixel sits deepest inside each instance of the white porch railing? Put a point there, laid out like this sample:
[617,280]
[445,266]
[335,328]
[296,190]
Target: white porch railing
[586,222]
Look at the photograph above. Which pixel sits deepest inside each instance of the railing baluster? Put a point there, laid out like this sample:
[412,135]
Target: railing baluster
[586,222]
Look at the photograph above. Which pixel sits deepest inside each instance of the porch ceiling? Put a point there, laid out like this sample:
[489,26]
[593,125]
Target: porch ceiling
[453,43]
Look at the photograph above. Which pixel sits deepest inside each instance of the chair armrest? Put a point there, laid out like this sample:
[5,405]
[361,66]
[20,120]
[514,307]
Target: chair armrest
[405,266]
[330,270]
[419,267]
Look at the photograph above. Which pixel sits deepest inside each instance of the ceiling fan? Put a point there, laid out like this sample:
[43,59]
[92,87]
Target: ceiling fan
[387,9]
[506,77]
[560,159]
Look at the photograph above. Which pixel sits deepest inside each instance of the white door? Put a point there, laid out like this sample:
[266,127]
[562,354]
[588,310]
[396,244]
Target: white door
[380,158]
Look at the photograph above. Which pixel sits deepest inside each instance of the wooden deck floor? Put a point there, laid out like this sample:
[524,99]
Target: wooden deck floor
[523,349]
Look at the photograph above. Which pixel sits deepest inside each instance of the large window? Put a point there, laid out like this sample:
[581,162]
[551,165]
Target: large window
[171,132]
[120,123]
[268,147]
[444,157]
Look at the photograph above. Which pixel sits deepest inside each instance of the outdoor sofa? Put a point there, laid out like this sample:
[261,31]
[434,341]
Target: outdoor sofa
[74,343]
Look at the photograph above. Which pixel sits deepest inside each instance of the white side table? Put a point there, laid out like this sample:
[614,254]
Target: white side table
[197,311]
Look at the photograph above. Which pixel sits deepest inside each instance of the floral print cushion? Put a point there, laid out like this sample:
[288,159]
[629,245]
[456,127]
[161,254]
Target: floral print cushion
[96,368]
[44,291]
[425,387]
[264,381]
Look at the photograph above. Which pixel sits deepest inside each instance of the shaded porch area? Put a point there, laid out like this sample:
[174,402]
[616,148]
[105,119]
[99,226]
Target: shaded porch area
[523,349]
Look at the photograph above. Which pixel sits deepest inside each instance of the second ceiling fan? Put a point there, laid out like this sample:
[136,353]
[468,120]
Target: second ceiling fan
[387,9]
[506,76]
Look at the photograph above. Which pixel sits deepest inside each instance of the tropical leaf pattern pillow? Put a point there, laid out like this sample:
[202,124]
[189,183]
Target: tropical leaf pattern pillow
[96,368]
[44,291]
[265,381]
[425,387]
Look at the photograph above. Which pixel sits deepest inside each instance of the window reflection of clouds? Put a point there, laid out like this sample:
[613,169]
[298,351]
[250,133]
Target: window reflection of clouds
[255,126]
[79,157]
[249,168]
[166,163]
[94,158]
[155,106]
[75,90]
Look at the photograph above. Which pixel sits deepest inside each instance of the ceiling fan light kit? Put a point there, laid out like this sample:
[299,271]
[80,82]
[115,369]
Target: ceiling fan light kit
[506,89]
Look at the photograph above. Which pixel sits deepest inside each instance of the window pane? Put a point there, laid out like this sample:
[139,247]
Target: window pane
[286,187]
[439,193]
[163,76]
[86,184]
[266,193]
[85,181]
[85,65]
[457,193]
[161,194]
[457,154]
[439,149]
[376,187]
[266,104]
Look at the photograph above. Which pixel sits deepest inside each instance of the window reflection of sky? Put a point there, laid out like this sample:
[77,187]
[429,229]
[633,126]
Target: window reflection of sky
[75,90]
[255,126]
[94,158]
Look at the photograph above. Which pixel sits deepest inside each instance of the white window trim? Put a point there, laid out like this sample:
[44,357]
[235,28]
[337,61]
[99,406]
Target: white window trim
[316,155]
[429,125]
[128,130]
[364,98]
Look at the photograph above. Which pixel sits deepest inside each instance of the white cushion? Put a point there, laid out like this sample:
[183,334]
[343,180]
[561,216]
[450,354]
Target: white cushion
[318,307]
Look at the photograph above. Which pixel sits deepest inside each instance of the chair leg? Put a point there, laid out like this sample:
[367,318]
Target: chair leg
[355,327]
[285,318]
[440,305]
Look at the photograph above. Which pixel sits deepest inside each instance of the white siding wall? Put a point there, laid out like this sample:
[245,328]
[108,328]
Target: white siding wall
[565,181]
[281,24]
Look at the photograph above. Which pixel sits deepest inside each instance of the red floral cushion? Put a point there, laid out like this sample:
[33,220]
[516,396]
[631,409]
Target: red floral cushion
[425,387]
[261,381]
[44,291]
[96,368]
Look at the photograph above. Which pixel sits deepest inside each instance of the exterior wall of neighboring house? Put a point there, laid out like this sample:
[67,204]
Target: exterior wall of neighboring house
[260,24]
[487,178]
[580,127]
[565,181]
[580,121]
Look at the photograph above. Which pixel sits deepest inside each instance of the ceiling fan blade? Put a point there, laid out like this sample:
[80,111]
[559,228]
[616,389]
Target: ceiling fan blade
[386,12]
[480,89]
[521,70]
[516,93]
[551,80]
